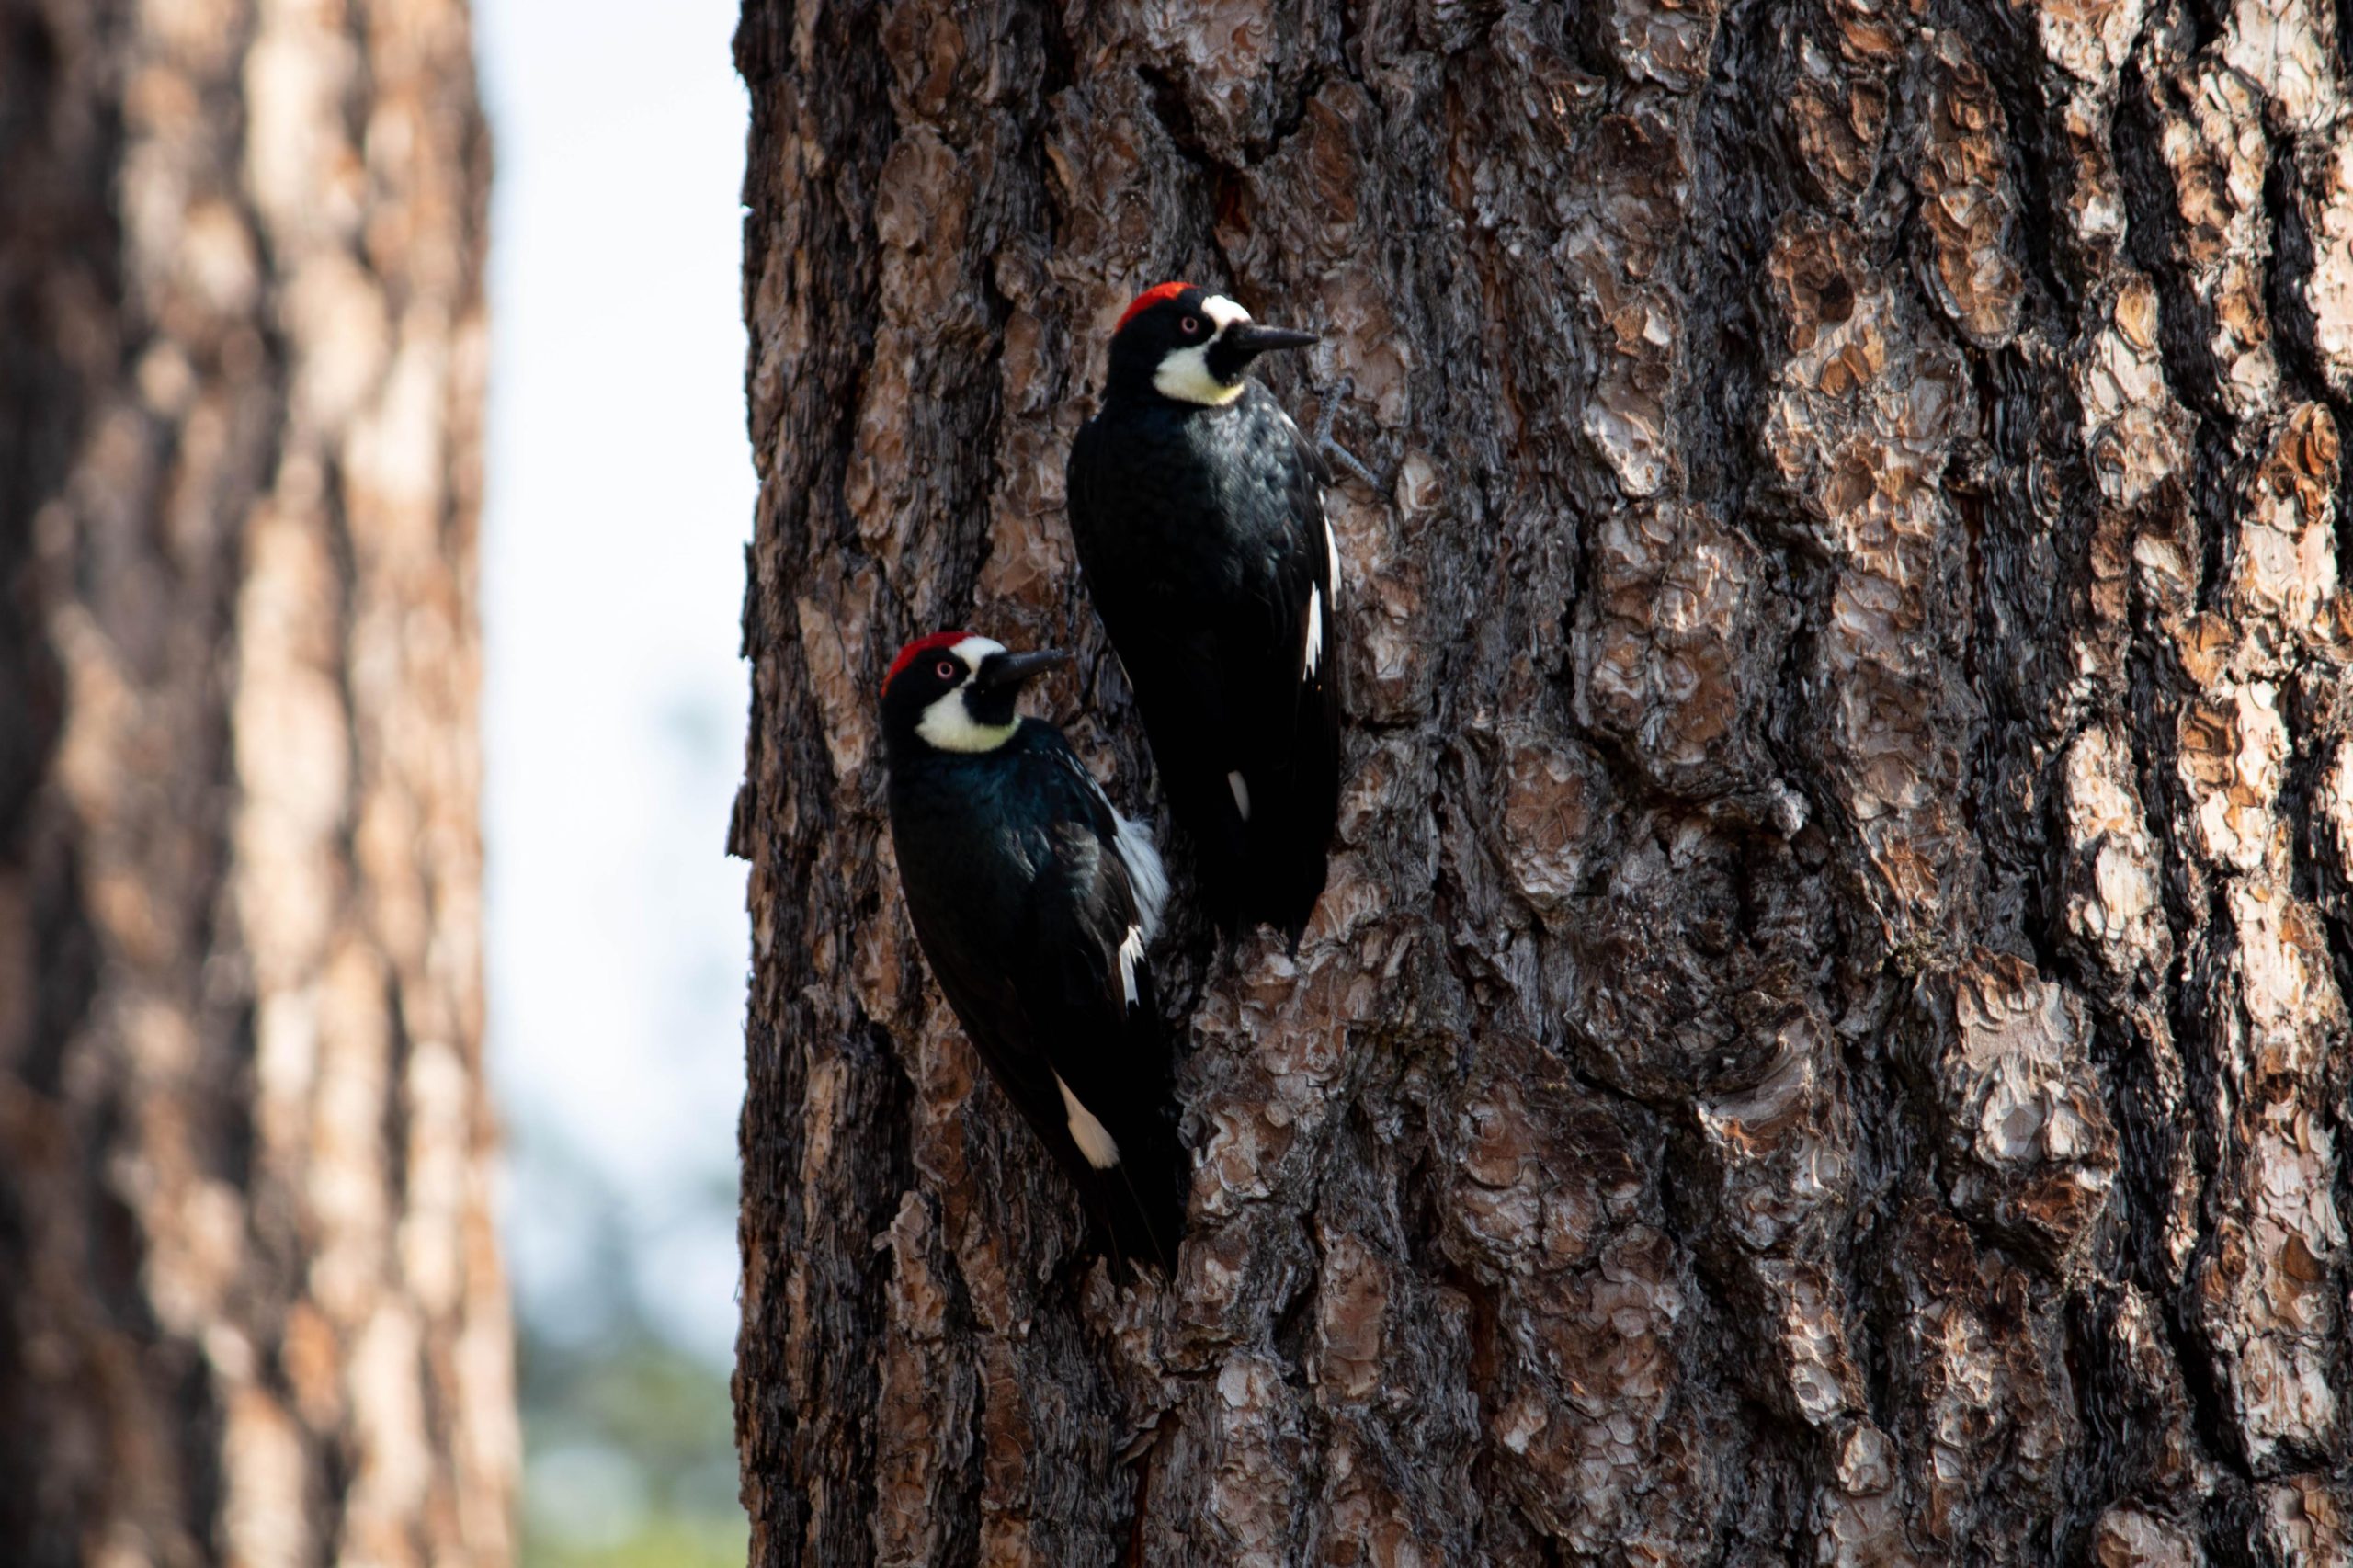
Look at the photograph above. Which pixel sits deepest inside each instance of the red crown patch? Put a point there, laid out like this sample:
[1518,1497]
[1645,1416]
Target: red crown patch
[1149,297]
[918,648]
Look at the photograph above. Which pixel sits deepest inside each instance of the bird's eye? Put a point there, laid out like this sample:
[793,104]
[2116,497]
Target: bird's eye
[947,670]
[1192,324]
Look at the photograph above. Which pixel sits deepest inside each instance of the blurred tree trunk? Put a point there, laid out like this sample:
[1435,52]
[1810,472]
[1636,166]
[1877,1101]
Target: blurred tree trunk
[251,1310]
[1826,1040]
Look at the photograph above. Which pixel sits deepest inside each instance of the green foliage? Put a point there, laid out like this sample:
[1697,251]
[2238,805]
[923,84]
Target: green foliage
[630,1458]
[662,1543]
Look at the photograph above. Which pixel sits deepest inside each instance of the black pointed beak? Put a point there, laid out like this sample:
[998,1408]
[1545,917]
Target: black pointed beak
[1002,672]
[1249,339]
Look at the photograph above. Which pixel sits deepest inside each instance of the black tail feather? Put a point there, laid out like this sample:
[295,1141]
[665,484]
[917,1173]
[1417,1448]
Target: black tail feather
[1138,1208]
[1242,892]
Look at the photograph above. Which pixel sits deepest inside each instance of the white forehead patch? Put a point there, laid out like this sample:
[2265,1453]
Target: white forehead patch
[973,649]
[1222,310]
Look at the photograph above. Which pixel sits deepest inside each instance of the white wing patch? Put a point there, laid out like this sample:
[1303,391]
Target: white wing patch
[1241,787]
[1332,554]
[1094,1139]
[1130,955]
[1315,652]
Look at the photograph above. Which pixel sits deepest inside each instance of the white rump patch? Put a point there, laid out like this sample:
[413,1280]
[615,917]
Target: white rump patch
[1241,787]
[1130,955]
[1314,654]
[1147,878]
[1094,1139]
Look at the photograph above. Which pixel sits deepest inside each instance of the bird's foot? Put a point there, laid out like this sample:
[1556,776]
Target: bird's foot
[1332,448]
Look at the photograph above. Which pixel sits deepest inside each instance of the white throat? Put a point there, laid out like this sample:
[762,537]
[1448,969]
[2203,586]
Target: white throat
[1185,375]
[949,724]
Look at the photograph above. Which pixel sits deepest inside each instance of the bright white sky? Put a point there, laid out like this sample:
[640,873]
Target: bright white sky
[619,497]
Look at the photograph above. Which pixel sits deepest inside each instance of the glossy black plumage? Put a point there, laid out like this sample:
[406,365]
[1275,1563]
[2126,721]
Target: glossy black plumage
[1024,894]
[1201,533]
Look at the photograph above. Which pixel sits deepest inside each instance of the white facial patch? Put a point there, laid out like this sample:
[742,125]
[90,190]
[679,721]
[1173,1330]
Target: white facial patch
[1315,653]
[949,724]
[1185,375]
[1094,1139]
[1241,787]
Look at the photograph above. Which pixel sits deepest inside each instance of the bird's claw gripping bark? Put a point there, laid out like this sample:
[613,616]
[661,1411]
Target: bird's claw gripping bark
[1332,448]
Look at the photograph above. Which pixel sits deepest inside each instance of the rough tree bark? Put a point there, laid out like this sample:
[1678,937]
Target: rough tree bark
[1826,1040]
[250,1305]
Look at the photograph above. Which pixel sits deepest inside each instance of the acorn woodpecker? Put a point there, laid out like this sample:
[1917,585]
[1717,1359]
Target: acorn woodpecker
[1198,509]
[1034,901]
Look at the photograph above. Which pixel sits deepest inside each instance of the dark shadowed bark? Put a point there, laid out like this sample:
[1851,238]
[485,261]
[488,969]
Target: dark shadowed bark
[1825,1040]
[250,1306]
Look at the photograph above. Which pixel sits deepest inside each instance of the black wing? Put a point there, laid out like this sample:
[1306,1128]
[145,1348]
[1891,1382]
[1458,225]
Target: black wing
[1057,1015]
[1235,676]
[1282,669]
[1149,572]
[1101,1027]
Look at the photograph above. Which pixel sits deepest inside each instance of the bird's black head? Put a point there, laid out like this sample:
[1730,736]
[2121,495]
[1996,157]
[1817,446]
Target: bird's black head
[1182,344]
[953,691]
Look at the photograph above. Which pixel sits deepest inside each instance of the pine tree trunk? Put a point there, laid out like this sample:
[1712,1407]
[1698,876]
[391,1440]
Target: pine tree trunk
[251,1310]
[1825,1042]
